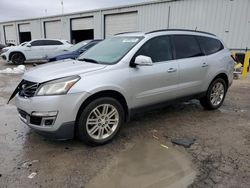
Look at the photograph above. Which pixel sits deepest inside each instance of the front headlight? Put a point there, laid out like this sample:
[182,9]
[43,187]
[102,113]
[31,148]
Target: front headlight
[57,87]
[4,50]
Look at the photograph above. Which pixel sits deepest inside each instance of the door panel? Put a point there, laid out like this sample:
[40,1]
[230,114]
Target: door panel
[34,52]
[192,64]
[192,74]
[154,84]
[159,82]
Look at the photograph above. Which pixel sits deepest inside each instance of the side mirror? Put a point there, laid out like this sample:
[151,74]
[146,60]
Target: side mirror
[142,60]
[28,45]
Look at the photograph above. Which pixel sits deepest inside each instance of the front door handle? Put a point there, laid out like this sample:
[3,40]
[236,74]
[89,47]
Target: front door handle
[204,64]
[172,70]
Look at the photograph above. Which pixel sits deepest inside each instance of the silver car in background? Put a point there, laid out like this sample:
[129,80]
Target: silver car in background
[92,97]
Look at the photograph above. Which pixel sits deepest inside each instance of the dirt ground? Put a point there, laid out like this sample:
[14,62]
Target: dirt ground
[220,155]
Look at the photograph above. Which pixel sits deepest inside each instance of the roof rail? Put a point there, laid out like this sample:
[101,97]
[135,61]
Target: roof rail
[126,32]
[181,30]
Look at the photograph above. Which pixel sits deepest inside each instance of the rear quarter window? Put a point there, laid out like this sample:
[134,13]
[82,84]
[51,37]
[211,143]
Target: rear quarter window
[210,45]
[52,42]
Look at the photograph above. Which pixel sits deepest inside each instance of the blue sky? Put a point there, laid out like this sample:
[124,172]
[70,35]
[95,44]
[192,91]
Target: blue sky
[21,9]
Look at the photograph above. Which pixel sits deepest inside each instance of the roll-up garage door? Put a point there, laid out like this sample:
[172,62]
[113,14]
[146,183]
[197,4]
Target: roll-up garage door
[82,29]
[24,32]
[10,34]
[53,29]
[118,23]
[24,27]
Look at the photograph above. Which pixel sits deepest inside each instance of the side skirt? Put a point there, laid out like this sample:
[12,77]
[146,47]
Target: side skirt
[143,109]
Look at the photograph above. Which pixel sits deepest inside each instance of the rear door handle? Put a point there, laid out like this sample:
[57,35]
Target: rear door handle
[172,70]
[204,64]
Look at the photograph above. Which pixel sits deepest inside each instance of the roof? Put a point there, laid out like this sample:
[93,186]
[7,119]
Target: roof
[171,31]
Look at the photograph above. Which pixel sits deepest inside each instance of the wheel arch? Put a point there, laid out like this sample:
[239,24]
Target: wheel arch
[106,93]
[12,53]
[223,76]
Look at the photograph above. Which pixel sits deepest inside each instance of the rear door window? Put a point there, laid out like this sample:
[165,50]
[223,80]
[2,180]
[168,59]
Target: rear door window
[210,45]
[158,48]
[186,46]
[52,42]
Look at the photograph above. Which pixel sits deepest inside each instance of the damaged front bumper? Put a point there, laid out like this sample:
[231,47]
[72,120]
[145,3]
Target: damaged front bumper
[51,116]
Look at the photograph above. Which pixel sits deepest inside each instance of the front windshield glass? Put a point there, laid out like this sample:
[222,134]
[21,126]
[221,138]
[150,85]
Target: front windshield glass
[22,44]
[78,45]
[110,51]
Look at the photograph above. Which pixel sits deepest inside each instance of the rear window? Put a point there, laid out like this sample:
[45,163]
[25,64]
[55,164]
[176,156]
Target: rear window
[210,45]
[186,46]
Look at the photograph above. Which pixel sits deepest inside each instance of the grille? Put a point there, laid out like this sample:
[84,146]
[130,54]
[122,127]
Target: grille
[34,120]
[27,89]
[22,113]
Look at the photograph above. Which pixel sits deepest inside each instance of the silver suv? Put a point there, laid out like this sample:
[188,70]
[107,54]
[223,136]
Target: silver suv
[92,97]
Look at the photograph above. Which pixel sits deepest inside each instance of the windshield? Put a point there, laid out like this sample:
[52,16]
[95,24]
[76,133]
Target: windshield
[22,44]
[110,51]
[78,45]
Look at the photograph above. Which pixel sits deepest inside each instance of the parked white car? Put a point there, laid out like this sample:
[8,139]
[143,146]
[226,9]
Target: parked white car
[35,50]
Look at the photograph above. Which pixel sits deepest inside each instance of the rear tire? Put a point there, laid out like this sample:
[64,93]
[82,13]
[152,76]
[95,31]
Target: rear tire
[18,58]
[215,95]
[100,121]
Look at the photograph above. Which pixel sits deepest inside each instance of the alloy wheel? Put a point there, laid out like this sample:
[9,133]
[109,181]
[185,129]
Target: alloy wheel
[217,94]
[102,121]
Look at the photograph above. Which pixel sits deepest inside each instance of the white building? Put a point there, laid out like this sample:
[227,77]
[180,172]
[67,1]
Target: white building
[229,19]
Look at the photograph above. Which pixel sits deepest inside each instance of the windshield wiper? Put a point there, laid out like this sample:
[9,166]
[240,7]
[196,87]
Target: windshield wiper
[89,60]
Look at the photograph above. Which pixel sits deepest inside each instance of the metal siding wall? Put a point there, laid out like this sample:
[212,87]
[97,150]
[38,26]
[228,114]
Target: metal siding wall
[98,25]
[1,35]
[228,19]
[65,25]
[153,17]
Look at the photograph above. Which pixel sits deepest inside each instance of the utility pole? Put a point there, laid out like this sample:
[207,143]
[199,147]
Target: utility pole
[62,20]
[62,7]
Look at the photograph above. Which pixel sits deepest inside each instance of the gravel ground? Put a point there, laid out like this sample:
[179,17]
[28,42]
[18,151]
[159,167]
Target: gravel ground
[220,153]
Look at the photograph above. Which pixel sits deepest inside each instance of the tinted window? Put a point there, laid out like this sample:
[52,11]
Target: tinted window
[37,43]
[88,46]
[210,45]
[52,42]
[158,48]
[186,46]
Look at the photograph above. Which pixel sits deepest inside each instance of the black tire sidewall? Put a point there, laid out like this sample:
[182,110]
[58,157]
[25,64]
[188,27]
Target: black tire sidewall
[17,54]
[211,106]
[81,131]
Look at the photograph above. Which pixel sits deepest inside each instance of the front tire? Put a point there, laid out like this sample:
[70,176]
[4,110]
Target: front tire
[100,121]
[215,95]
[18,58]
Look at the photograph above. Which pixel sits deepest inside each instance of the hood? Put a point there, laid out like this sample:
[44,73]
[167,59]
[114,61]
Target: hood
[60,69]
